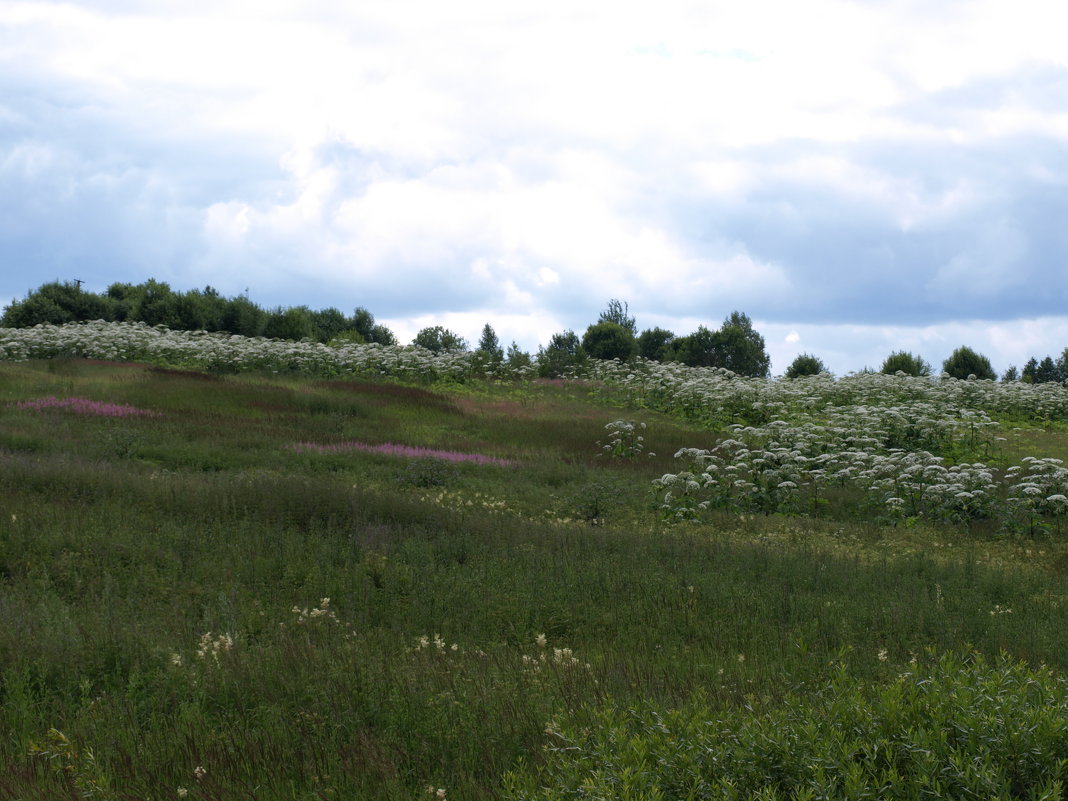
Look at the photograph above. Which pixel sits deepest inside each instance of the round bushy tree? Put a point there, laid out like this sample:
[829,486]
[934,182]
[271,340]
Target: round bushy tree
[965,362]
[905,362]
[294,323]
[805,364]
[655,344]
[740,348]
[563,351]
[609,340]
[439,339]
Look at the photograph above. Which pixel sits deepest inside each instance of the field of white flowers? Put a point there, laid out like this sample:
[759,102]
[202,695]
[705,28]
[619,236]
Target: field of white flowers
[915,447]
[903,442]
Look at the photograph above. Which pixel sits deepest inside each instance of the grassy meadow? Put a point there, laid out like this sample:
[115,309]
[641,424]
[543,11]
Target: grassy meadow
[209,591]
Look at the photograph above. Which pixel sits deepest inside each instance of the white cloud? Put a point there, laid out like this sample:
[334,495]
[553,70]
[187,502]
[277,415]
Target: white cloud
[818,162]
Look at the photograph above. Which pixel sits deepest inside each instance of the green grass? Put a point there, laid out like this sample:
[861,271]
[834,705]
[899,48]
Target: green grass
[125,542]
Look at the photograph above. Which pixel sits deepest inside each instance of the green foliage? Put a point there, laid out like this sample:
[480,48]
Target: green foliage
[517,358]
[563,353]
[655,344]
[965,362]
[428,472]
[618,312]
[609,340]
[192,590]
[805,364]
[1046,371]
[736,346]
[698,349]
[742,347]
[327,324]
[364,323]
[244,317]
[961,728]
[1010,374]
[57,303]
[439,339]
[155,303]
[294,323]
[624,439]
[907,363]
[489,347]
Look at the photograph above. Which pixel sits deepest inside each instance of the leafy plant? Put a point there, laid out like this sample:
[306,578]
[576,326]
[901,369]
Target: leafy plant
[805,364]
[907,363]
[962,728]
[965,362]
[428,472]
[624,441]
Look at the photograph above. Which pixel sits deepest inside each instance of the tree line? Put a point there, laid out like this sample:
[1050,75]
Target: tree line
[735,345]
[155,303]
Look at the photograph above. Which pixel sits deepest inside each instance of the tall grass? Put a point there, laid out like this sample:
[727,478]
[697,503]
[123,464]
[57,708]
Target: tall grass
[305,625]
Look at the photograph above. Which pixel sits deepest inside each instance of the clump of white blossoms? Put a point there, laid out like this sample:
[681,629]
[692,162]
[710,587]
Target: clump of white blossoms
[624,441]
[211,646]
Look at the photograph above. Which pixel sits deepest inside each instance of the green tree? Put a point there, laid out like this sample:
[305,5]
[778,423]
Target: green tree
[200,310]
[965,362]
[1062,364]
[156,304]
[242,316]
[805,364]
[439,339]
[1030,371]
[58,303]
[1048,372]
[489,347]
[363,322]
[517,358]
[618,312]
[1011,374]
[327,324]
[294,323]
[697,349]
[655,344]
[907,363]
[741,349]
[563,352]
[608,340]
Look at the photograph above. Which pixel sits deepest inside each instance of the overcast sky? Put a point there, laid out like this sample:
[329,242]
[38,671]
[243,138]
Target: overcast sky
[858,177]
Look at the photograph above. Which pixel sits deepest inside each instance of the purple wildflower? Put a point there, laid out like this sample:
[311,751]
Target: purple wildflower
[85,406]
[408,451]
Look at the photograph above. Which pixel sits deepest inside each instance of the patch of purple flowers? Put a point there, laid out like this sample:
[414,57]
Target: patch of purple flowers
[408,451]
[85,406]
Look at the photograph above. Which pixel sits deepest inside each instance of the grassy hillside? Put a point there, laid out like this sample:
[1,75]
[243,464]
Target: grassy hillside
[224,586]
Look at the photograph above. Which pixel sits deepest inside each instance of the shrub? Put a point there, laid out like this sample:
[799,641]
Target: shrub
[965,362]
[439,339]
[609,340]
[294,323]
[961,729]
[655,344]
[905,362]
[736,346]
[805,364]
[563,352]
[57,303]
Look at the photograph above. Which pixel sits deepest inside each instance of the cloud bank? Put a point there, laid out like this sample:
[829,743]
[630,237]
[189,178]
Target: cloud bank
[856,176]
